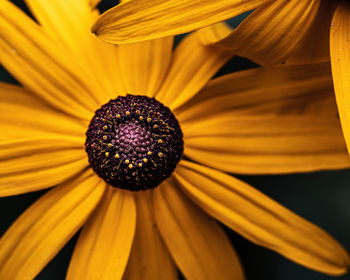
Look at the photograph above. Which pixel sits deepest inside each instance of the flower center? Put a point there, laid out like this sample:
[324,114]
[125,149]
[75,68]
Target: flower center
[134,142]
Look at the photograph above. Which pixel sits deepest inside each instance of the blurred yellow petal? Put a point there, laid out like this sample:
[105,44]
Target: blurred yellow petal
[315,45]
[276,120]
[262,220]
[141,20]
[69,23]
[93,3]
[273,31]
[36,163]
[190,70]
[43,229]
[149,258]
[105,242]
[23,115]
[197,243]
[144,65]
[340,58]
[41,65]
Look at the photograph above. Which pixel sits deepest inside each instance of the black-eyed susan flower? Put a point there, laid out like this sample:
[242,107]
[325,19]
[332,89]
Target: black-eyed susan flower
[278,30]
[136,140]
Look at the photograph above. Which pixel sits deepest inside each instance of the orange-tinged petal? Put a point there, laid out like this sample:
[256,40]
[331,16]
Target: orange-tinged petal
[144,65]
[273,31]
[262,220]
[315,45]
[23,115]
[190,70]
[149,258]
[198,245]
[141,20]
[69,23]
[105,242]
[36,163]
[43,229]
[275,120]
[340,58]
[41,65]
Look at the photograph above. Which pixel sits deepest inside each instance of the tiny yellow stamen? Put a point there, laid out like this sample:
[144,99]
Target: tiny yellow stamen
[104,137]
[110,145]
[149,153]
[138,112]
[107,154]
[145,160]
[127,113]
[160,154]
[160,141]
[116,156]
[130,166]
[140,118]
[127,161]
[149,119]
[155,126]
[104,127]
[140,164]
[118,116]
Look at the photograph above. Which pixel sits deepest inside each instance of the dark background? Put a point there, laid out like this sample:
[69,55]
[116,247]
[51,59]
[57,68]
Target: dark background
[321,197]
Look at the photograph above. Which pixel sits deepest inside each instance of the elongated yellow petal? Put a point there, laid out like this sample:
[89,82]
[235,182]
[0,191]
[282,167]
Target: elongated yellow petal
[69,24]
[315,45]
[340,58]
[36,163]
[262,220]
[105,242]
[23,115]
[149,259]
[144,65]
[190,70]
[275,120]
[41,65]
[43,229]
[141,20]
[273,31]
[197,243]
[93,3]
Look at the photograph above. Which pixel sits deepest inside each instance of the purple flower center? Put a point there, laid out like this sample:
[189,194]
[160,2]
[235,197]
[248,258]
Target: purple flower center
[134,142]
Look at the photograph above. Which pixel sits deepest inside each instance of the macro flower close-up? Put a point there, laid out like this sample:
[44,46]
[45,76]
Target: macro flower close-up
[137,145]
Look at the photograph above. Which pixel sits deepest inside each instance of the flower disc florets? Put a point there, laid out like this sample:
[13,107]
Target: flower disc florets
[134,142]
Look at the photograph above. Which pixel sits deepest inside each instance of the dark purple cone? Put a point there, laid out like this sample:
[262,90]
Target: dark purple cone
[134,142]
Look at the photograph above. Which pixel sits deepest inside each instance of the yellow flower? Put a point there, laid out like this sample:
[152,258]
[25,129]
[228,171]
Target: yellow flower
[276,120]
[306,30]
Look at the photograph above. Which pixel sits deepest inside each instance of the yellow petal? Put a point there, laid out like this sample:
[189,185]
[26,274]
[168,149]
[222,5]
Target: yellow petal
[141,20]
[105,242]
[144,65]
[197,243]
[214,33]
[36,163]
[149,258]
[315,44]
[192,67]
[93,3]
[69,23]
[273,31]
[262,220]
[36,61]
[340,58]
[275,120]
[43,229]
[23,115]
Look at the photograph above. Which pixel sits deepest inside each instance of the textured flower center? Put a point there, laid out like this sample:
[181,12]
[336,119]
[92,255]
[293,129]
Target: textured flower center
[134,142]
